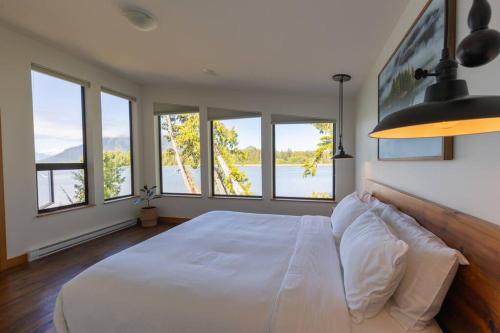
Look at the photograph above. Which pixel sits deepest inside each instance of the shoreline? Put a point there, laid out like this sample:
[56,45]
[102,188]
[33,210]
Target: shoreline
[257,165]
[281,165]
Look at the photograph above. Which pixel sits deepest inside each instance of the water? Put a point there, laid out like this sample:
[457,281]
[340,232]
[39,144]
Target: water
[289,180]
[64,187]
[172,180]
[289,183]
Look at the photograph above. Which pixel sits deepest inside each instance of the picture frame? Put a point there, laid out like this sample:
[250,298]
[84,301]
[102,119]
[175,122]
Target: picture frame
[420,47]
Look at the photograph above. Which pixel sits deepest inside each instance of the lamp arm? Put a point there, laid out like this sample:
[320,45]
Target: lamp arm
[445,70]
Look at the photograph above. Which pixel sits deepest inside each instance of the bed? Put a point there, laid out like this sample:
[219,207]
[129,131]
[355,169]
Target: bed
[220,272]
[227,272]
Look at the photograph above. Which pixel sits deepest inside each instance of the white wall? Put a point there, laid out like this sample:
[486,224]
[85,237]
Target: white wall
[266,103]
[470,183]
[24,229]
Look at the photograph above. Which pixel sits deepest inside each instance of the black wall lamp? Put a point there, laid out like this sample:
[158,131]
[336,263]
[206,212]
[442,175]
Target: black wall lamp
[341,78]
[448,110]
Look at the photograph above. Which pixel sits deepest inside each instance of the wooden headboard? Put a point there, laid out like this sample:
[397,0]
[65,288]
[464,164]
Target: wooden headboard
[473,301]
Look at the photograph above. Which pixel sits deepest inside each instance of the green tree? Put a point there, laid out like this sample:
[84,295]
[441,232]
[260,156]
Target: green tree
[182,132]
[79,195]
[320,195]
[167,157]
[231,180]
[252,154]
[324,149]
[114,163]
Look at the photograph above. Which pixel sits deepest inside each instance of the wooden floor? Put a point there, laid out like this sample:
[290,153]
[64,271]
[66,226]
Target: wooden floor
[28,292]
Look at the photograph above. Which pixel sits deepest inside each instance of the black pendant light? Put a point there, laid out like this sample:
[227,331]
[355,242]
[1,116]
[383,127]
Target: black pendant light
[341,78]
[448,110]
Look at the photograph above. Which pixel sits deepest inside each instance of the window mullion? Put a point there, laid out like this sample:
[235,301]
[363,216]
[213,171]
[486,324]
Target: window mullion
[59,166]
[51,177]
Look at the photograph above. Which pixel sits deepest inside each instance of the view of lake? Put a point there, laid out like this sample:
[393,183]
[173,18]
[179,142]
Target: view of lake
[64,182]
[289,182]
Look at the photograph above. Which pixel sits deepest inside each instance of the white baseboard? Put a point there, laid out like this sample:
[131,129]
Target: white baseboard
[66,244]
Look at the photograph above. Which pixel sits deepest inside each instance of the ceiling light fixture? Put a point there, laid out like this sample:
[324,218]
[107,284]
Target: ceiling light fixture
[341,78]
[448,110]
[140,18]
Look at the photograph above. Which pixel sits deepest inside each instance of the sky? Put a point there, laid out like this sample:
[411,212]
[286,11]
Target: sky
[115,116]
[248,130]
[57,114]
[290,136]
[296,137]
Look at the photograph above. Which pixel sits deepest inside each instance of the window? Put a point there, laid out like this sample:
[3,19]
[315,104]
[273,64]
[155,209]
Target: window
[116,113]
[303,165]
[60,152]
[180,153]
[236,157]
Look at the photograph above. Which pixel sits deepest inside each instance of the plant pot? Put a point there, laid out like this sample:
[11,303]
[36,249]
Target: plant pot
[149,216]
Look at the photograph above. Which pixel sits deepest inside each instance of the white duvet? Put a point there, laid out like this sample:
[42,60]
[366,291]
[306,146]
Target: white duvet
[220,272]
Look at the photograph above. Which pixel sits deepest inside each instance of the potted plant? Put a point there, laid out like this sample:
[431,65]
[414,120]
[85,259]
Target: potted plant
[148,214]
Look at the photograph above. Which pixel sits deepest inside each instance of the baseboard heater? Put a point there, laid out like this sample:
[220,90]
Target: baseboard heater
[66,244]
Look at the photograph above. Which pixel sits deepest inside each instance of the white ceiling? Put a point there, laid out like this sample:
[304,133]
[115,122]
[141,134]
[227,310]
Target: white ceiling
[284,45]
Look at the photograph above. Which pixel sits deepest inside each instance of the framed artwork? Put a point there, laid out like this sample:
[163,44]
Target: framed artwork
[397,88]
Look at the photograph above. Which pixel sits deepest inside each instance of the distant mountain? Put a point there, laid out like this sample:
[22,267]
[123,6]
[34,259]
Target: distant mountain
[41,156]
[116,144]
[75,154]
[72,154]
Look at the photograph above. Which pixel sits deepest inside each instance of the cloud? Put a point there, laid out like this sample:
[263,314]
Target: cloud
[115,132]
[55,130]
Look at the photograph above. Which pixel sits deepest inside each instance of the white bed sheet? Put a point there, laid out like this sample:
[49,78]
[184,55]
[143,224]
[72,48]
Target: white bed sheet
[384,323]
[220,272]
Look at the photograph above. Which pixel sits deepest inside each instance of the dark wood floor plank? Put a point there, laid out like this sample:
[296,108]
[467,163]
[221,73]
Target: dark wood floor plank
[28,292]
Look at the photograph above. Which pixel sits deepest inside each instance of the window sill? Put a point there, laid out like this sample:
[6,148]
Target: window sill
[167,195]
[225,197]
[120,199]
[65,210]
[305,200]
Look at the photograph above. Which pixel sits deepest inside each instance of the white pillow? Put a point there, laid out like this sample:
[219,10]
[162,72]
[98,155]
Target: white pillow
[431,267]
[346,211]
[374,262]
[372,202]
[366,197]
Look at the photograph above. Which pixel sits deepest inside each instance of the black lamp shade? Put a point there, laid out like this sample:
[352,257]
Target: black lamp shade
[341,155]
[460,116]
